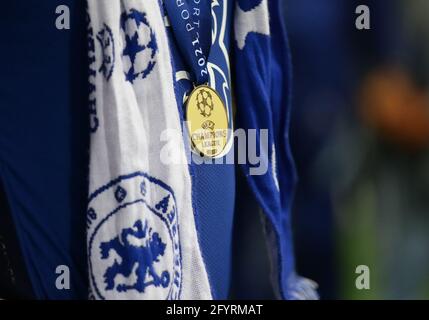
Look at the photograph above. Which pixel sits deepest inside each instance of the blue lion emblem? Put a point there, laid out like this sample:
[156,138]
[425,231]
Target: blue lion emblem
[138,258]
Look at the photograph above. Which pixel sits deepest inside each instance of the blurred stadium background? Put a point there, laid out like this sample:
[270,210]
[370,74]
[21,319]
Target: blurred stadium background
[360,136]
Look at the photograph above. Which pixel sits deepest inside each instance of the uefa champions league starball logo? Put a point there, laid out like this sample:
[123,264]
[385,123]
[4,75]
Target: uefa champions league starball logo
[140,46]
[107,45]
[205,103]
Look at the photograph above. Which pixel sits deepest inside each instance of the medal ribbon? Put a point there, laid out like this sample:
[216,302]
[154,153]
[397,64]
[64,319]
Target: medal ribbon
[191,24]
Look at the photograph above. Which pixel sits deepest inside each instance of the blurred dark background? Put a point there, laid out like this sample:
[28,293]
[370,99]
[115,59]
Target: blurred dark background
[360,137]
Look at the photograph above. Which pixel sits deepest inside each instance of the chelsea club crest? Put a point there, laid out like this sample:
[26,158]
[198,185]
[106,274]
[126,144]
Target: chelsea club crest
[134,247]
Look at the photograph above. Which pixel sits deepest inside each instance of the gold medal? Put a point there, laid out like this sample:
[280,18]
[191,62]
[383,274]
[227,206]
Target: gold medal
[208,122]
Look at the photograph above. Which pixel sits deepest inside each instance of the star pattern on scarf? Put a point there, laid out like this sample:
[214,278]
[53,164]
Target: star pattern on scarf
[133,47]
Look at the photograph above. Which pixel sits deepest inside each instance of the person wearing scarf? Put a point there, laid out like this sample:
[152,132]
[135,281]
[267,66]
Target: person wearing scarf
[157,225]
[145,227]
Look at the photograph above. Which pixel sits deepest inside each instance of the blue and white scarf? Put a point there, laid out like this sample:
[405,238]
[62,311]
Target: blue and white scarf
[142,238]
[263,90]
